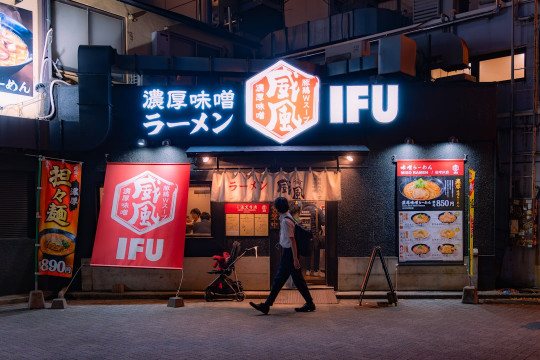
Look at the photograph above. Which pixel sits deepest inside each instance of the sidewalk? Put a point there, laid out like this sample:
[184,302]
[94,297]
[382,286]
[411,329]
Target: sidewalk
[527,296]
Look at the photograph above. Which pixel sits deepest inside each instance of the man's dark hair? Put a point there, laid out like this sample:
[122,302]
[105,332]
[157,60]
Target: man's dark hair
[195,211]
[205,216]
[281,204]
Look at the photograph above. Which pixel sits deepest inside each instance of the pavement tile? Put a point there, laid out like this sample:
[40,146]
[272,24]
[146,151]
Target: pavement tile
[414,329]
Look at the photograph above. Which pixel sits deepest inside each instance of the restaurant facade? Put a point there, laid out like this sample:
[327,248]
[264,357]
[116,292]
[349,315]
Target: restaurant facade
[387,160]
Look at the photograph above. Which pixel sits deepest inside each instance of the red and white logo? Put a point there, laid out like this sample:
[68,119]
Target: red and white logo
[144,202]
[282,101]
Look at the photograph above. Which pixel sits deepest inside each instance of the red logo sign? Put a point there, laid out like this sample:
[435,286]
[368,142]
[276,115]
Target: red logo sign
[142,217]
[282,102]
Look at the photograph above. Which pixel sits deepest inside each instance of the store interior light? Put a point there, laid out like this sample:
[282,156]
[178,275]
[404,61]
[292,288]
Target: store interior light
[409,140]
[205,159]
[349,158]
[141,142]
[453,139]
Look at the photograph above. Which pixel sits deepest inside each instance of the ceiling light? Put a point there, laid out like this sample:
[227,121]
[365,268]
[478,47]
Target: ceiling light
[205,159]
[349,157]
[141,142]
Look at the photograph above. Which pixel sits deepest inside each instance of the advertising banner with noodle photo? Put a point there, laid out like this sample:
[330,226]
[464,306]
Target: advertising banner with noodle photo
[16,49]
[142,220]
[430,204]
[58,217]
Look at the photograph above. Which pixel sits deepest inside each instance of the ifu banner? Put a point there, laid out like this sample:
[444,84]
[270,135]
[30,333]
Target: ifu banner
[142,220]
[430,204]
[59,215]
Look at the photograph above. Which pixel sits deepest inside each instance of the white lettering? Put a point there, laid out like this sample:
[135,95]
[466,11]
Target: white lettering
[135,246]
[357,99]
[391,104]
[355,103]
[336,104]
[121,250]
[159,250]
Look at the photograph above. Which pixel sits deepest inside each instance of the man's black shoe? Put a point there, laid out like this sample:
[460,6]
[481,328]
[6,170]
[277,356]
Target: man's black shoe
[262,307]
[306,308]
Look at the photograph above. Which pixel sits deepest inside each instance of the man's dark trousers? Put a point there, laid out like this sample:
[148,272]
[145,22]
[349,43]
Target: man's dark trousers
[286,269]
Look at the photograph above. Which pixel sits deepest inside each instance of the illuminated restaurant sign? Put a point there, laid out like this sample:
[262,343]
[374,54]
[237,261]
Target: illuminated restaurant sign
[191,111]
[282,102]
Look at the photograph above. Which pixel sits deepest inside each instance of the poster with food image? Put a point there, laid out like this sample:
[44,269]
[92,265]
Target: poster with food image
[430,204]
[58,217]
[16,49]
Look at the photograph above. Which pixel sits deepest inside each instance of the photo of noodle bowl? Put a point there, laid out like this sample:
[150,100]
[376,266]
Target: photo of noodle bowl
[447,233]
[447,249]
[420,218]
[447,217]
[420,234]
[56,242]
[420,249]
[422,189]
[15,45]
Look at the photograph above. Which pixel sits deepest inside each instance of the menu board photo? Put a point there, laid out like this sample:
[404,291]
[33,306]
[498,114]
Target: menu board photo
[430,204]
[246,219]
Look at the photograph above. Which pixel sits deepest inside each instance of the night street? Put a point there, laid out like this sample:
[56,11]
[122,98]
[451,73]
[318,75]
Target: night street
[415,329]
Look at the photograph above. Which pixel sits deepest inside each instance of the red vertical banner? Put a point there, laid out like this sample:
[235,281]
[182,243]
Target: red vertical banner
[142,220]
[59,216]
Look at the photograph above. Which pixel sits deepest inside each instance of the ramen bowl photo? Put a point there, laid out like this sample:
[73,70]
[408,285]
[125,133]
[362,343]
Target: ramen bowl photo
[56,242]
[447,217]
[420,249]
[420,218]
[15,46]
[420,234]
[447,249]
[447,233]
[421,189]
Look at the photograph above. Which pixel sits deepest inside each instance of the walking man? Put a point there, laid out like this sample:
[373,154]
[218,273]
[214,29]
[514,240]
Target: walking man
[289,264]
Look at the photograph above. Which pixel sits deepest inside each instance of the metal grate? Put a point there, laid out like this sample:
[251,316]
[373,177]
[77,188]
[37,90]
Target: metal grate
[16,195]
[425,10]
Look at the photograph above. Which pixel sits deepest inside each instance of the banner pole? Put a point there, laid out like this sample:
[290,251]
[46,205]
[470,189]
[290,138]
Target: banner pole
[36,247]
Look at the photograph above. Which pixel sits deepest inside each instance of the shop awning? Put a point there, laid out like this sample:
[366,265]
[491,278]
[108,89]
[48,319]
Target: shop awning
[324,149]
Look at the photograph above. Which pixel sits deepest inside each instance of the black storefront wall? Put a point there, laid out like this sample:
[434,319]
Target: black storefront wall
[428,113]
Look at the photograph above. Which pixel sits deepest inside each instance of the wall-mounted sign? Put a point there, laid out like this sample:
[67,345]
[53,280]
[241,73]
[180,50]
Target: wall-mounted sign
[191,111]
[16,72]
[358,98]
[282,102]
[430,210]
[243,219]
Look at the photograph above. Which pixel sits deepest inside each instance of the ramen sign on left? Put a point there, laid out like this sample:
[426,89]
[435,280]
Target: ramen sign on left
[282,101]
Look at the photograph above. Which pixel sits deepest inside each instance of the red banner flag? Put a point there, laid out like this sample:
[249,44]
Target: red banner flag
[142,221]
[59,215]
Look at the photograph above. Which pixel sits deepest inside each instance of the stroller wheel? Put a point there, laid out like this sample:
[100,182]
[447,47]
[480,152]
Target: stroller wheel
[240,296]
[208,295]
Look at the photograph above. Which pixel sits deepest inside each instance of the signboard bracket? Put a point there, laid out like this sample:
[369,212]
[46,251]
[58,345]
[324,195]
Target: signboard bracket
[392,297]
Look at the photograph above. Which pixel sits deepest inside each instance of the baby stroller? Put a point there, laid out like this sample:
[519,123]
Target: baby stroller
[224,267]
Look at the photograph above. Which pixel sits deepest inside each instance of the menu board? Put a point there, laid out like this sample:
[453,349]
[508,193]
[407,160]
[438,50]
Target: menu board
[246,219]
[430,204]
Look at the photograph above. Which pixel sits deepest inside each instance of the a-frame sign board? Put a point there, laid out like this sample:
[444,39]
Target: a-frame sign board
[392,297]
